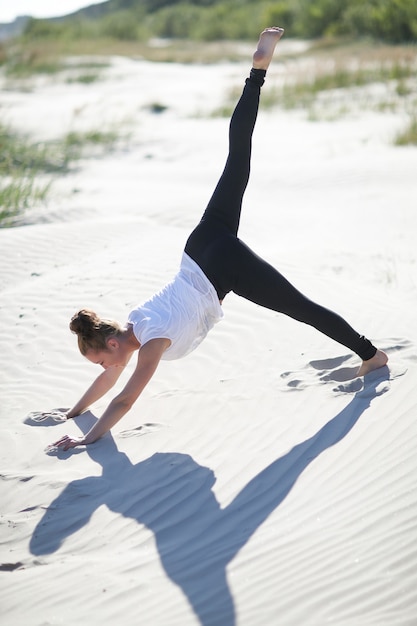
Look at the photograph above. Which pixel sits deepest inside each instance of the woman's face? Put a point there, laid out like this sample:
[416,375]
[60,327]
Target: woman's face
[114,355]
[104,358]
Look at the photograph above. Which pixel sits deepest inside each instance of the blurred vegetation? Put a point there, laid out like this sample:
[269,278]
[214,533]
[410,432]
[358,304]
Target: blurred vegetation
[201,31]
[391,21]
[127,26]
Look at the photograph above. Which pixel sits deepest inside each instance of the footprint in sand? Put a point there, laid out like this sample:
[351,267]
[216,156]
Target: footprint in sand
[143,429]
[343,370]
[46,418]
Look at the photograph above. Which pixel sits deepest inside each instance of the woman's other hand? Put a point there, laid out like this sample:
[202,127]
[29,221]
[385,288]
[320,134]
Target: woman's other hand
[66,442]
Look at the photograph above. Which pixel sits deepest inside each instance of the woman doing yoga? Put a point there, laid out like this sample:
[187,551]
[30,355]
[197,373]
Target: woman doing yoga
[214,262]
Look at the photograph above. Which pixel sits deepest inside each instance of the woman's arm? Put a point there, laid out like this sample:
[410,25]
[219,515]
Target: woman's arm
[98,389]
[148,359]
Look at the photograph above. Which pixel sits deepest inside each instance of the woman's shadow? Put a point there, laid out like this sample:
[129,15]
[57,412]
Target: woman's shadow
[172,496]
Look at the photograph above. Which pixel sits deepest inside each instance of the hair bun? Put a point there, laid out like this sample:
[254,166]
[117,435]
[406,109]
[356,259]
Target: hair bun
[84,323]
[93,331]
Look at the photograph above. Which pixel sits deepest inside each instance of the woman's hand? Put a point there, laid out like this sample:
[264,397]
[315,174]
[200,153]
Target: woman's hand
[66,442]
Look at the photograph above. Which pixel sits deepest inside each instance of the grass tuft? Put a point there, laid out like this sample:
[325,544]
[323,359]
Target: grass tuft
[17,195]
[23,162]
[303,92]
[85,79]
[409,135]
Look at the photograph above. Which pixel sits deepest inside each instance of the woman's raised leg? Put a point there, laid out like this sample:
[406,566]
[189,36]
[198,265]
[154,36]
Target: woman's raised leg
[225,204]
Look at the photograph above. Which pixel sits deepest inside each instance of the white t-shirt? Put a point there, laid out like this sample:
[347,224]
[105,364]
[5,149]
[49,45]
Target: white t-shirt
[184,311]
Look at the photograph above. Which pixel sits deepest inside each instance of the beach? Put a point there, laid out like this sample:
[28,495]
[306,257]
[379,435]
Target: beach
[253,483]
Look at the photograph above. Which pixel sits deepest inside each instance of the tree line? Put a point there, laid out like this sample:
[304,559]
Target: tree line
[393,21]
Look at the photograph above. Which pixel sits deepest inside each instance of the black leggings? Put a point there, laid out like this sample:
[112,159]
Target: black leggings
[229,264]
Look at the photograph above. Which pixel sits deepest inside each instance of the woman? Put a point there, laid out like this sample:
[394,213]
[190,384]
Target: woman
[215,261]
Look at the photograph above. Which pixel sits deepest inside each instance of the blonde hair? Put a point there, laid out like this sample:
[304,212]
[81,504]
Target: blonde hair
[92,331]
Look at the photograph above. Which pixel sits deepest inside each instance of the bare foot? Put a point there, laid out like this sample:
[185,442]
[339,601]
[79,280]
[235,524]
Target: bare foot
[378,360]
[266,45]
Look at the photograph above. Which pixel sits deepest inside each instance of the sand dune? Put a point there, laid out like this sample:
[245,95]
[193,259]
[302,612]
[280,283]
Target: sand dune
[253,483]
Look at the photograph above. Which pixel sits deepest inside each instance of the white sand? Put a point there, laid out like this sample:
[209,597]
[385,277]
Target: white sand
[265,492]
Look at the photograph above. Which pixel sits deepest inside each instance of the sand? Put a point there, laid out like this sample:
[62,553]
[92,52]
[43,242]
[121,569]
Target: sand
[251,484]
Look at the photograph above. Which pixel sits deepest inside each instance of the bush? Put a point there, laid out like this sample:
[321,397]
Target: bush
[122,26]
[399,15]
[234,23]
[221,20]
[389,20]
[318,18]
[175,22]
[44,29]
[280,14]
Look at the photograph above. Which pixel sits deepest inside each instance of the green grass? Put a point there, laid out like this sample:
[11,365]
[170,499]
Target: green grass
[20,163]
[85,79]
[333,94]
[18,154]
[330,87]
[93,137]
[23,163]
[23,63]
[302,93]
[23,59]
[18,195]
[409,135]
[91,73]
